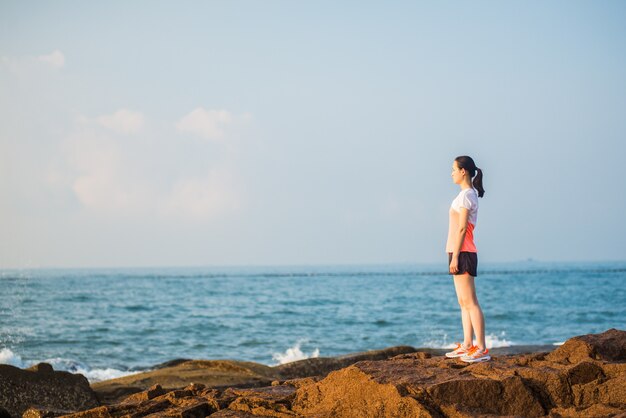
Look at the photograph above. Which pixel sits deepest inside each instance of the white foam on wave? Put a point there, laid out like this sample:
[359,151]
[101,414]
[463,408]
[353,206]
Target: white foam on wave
[93,375]
[9,357]
[97,375]
[294,353]
[491,340]
[559,343]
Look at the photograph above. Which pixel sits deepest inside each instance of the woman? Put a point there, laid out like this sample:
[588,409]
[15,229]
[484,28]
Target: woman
[463,258]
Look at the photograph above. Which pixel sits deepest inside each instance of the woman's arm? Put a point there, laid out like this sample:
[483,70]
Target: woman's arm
[459,236]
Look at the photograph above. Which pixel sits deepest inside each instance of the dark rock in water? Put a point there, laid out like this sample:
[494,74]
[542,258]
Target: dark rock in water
[49,390]
[583,378]
[42,368]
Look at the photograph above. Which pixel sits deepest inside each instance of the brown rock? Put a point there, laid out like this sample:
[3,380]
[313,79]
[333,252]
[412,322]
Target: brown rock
[596,411]
[271,401]
[38,412]
[211,373]
[529,386]
[610,392]
[151,393]
[550,384]
[100,412]
[582,379]
[303,381]
[195,387]
[351,392]
[44,387]
[229,413]
[608,346]
[197,410]
[230,373]
[321,366]
[152,406]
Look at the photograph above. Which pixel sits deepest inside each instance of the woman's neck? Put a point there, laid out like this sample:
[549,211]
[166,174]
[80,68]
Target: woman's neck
[465,185]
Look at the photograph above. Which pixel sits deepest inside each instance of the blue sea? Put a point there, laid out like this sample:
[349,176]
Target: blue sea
[106,323]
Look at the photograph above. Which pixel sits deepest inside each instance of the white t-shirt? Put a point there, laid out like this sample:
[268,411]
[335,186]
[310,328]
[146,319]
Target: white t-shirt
[467,199]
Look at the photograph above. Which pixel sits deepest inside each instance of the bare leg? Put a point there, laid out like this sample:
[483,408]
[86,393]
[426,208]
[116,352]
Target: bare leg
[467,328]
[466,294]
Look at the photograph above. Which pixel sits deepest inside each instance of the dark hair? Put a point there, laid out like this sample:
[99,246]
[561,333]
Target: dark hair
[468,164]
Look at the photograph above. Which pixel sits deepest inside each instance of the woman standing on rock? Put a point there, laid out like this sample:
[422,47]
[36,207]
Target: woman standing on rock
[463,258]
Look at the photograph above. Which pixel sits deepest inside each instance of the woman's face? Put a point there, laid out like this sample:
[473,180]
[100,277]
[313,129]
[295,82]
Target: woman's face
[457,173]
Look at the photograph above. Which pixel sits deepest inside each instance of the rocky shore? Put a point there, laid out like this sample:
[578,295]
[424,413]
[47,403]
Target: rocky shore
[585,377]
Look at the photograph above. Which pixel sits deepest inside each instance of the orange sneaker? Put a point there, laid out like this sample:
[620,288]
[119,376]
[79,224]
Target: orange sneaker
[476,355]
[460,350]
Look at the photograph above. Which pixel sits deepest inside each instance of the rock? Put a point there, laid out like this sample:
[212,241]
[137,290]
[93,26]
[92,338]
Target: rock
[609,346]
[42,368]
[191,402]
[271,401]
[178,373]
[39,412]
[597,411]
[351,392]
[49,390]
[584,379]
[229,413]
[151,393]
[303,381]
[321,366]
[229,373]
[211,373]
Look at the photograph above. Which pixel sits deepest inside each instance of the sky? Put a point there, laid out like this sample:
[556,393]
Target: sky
[211,133]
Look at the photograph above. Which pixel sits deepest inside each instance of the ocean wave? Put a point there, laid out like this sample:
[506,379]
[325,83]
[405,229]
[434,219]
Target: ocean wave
[294,353]
[7,356]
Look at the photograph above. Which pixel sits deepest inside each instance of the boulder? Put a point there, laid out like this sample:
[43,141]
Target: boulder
[609,346]
[231,373]
[583,378]
[46,389]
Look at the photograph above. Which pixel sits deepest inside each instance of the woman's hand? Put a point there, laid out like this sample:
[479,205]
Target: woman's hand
[454,264]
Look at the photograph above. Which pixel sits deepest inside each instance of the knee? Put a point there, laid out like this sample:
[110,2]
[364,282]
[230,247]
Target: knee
[468,303]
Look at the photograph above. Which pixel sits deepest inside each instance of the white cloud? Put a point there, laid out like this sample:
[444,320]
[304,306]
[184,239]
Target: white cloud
[101,181]
[30,65]
[123,121]
[203,197]
[114,177]
[55,59]
[11,64]
[208,124]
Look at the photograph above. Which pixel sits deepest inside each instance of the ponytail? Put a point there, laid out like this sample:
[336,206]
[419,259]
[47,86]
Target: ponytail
[468,164]
[478,182]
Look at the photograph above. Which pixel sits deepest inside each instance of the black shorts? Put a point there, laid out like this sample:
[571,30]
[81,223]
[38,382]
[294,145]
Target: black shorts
[468,263]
